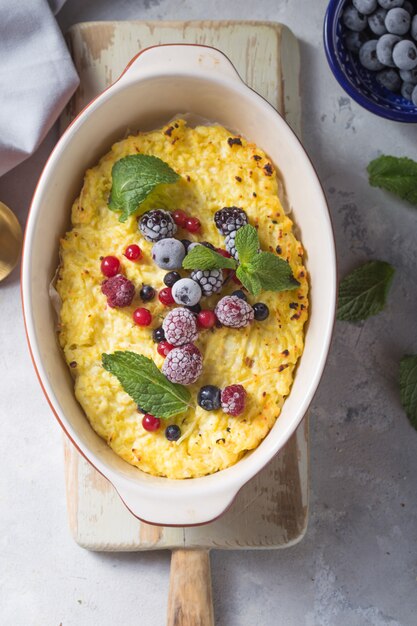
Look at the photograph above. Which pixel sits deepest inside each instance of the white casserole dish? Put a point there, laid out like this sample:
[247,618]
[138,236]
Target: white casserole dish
[159,83]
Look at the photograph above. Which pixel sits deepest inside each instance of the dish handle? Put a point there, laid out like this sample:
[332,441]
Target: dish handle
[182,59]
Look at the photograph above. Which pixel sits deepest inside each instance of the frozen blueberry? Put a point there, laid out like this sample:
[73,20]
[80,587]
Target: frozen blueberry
[389,79]
[414,27]
[384,49]
[368,58]
[407,90]
[353,19]
[209,398]
[192,245]
[397,21]
[376,21]
[365,6]
[187,292]
[408,6]
[240,294]
[390,4]
[355,40]
[414,96]
[404,55]
[409,76]
[168,254]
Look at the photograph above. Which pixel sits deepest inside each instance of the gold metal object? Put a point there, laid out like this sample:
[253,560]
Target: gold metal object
[10,240]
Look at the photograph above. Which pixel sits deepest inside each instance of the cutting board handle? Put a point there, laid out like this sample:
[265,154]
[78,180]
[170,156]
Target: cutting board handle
[190,59]
[190,601]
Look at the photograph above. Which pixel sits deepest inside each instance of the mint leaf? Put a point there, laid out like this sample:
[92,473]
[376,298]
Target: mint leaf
[395,174]
[274,273]
[250,281]
[202,258]
[363,292]
[133,178]
[408,387]
[247,243]
[148,387]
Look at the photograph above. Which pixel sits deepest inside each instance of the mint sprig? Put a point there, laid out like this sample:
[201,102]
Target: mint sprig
[134,178]
[261,270]
[363,292]
[408,387]
[142,380]
[202,258]
[395,174]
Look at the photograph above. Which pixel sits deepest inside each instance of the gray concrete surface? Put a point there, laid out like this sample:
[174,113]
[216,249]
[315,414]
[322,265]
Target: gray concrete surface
[357,565]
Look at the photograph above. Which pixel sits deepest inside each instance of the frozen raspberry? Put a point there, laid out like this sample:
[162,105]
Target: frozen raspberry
[229,219]
[119,290]
[210,281]
[180,327]
[234,312]
[233,399]
[183,365]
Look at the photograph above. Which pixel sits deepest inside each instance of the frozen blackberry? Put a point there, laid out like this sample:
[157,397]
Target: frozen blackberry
[119,290]
[233,399]
[157,224]
[229,219]
[180,327]
[183,365]
[234,312]
[230,244]
[210,281]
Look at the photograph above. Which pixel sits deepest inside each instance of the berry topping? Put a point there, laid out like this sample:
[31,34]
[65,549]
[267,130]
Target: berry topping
[180,327]
[186,243]
[171,278]
[240,294]
[180,217]
[110,266]
[234,312]
[119,291]
[192,224]
[224,253]
[147,293]
[157,224]
[142,317]
[209,398]
[165,296]
[210,281]
[172,432]
[133,252]
[233,399]
[206,319]
[260,311]
[230,244]
[229,219]
[168,254]
[186,291]
[158,334]
[164,347]
[150,422]
[183,364]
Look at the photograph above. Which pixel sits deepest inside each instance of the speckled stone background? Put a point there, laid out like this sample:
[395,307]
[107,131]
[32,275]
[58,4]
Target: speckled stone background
[357,565]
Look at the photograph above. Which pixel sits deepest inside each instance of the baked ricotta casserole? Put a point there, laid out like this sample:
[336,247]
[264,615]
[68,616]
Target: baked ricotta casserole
[183,299]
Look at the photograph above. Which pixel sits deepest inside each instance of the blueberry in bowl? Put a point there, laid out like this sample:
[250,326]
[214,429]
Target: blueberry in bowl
[371,47]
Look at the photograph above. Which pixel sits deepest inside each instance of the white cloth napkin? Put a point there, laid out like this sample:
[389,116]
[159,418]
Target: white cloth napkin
[37,76]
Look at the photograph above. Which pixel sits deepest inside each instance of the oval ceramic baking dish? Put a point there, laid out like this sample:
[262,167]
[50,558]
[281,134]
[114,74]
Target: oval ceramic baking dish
[159,83]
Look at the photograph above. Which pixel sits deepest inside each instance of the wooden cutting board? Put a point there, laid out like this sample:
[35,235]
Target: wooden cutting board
[271,511]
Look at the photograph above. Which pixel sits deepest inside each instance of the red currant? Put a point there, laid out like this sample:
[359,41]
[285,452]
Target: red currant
[133,252]
[180,217]
[142,317]
[164,347]
[206,319]
[224,253]
[192,224]
[110,266]
[165,296]
[150,422]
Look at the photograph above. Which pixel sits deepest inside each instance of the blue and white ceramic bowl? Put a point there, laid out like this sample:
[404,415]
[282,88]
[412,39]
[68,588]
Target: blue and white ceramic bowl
[357,81]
